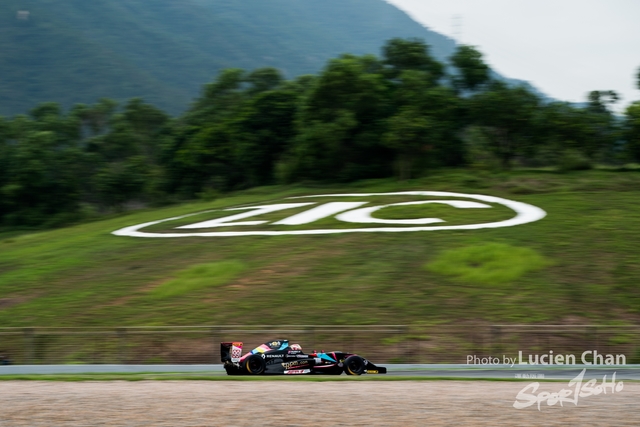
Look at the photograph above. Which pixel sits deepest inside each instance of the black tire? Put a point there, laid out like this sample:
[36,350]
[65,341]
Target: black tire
[354,365]
[254,365]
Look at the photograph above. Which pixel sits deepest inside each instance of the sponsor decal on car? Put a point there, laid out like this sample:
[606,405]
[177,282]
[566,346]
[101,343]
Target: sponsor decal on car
[295,363]
[236,351]
[297,371]
[361,213]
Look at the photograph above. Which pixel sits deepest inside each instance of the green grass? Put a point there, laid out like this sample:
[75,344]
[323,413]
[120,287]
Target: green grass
[487,264]
[198,277]
[84,276]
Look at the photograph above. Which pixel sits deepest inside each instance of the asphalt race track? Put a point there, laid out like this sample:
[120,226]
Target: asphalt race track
[537,372]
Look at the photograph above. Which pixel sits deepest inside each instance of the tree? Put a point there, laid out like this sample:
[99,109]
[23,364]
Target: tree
[6,162]
[559,126]
[200,153]
[472,71]
[206,159]
[220,98]
[563,130]
[506,116]
[409,134]
[263,79]
[439,106]
[410,54]
[602,124]
[351,99]
[149,125]
[632,130]
[118,182]
[264,130]
[49,117]
[43,185]
[317,150]
[44,110]
[601,100]
[94,119]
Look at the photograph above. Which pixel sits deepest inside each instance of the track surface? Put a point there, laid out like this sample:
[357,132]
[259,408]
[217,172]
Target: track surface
[278,403]
[626,372]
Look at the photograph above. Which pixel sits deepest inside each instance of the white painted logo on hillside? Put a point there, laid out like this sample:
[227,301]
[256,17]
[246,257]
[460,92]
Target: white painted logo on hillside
[349,212]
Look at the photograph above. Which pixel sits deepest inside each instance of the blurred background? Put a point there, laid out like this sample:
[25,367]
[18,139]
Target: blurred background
[206,124]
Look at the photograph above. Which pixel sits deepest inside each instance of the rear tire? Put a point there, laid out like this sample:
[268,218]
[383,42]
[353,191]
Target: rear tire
[354,365]
[254,365]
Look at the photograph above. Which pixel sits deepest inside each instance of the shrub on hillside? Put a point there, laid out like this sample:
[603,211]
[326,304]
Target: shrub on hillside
[572,160]
[489,264]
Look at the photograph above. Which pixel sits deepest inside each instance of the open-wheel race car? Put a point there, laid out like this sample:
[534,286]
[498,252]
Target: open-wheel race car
[280,357]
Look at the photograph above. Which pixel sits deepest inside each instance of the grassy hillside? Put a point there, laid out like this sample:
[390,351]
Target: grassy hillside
[164,51]
[579,261]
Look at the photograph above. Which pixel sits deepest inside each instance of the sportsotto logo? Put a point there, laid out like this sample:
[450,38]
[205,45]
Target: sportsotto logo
[572,394]
[350,212]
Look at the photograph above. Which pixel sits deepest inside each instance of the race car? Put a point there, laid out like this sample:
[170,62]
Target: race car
[280,357]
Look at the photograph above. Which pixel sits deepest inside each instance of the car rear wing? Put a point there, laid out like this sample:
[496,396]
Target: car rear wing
[230,352]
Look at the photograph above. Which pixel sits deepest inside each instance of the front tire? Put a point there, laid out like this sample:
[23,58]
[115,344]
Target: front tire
[354,365]
[254,365]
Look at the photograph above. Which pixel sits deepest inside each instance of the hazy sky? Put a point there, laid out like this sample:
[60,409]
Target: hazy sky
[565,48]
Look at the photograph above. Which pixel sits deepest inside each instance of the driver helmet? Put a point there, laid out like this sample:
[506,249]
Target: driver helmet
[296,347]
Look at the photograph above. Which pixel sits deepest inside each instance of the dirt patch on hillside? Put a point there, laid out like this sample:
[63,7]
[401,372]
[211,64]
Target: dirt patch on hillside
[10,302]
[401,403]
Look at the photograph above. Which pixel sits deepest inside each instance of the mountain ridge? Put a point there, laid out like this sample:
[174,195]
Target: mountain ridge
[77,52]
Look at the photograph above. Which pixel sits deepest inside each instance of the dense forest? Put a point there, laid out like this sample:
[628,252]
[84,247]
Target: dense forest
[361,117]
[77,51]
